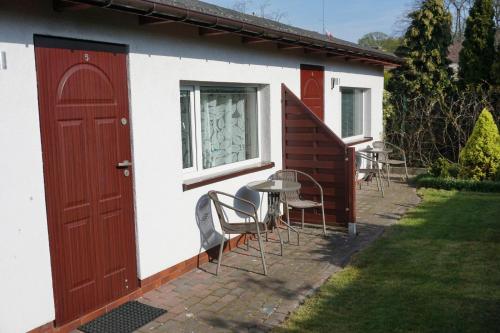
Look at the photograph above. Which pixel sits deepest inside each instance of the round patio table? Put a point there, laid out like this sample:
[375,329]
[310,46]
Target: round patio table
[376,151]
[274,188]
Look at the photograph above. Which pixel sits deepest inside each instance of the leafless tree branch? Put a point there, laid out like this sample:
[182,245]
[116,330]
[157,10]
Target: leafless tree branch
[430,128]
[261,9]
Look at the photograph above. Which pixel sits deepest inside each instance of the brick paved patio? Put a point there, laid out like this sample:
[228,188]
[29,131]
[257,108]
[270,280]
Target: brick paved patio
[241,299]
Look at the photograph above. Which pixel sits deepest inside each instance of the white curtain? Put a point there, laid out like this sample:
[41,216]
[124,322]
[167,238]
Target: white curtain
[228,125]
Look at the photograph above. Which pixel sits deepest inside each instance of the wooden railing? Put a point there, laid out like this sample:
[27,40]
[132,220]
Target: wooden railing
[310,146]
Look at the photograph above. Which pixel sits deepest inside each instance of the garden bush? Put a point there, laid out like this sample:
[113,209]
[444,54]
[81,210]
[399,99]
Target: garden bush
[429,181]
[444,168]
[480,158]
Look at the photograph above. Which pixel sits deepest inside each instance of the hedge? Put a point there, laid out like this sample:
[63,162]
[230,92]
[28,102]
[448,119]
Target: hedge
[429,181]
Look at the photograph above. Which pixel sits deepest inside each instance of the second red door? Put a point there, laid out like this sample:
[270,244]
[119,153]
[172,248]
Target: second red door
[312,88]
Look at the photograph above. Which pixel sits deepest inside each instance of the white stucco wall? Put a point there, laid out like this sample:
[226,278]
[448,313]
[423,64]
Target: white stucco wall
[25,274]
[160,57]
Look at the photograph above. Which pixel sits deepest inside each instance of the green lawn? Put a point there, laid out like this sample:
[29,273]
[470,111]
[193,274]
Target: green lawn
[436,271]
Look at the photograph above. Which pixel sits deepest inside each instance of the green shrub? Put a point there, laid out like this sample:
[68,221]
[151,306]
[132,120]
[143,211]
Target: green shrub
[444,168]
[429,181]
[480,158]
[454,170]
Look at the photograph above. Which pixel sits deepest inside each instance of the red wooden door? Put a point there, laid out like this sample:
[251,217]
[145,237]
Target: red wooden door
[83,104]
[312,88]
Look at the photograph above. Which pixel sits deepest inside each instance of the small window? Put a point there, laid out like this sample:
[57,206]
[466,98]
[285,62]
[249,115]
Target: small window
[220,126]
[186,127]
[352,112]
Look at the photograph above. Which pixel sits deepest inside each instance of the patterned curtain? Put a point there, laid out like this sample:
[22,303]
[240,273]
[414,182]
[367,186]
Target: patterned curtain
[228,125]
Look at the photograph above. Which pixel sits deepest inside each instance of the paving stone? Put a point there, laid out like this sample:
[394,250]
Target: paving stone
[221,292]
[182,317]
[216,307]
[227,299]
[181,308]
[149,327]
[192,301]
[170,326]
[237,291]
[209,300]
[165,317]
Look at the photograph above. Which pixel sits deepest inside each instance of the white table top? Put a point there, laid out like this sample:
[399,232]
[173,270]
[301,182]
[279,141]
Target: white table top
[375,150]
[274,186]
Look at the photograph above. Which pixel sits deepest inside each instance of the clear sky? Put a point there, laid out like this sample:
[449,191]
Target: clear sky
[345,19]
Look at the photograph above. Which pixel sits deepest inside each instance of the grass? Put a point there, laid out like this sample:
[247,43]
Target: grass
[438,270]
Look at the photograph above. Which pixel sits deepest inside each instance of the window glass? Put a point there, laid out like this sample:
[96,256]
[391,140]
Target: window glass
[186,131]
[229,125]
[352,112]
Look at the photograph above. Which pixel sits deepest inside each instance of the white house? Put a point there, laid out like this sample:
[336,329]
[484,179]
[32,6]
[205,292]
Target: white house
[114,123]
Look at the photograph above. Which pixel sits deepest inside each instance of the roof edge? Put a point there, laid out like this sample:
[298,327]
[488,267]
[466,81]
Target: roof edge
[172,12]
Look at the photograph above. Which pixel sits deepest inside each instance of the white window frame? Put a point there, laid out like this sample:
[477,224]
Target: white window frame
[363,114]
[197,170]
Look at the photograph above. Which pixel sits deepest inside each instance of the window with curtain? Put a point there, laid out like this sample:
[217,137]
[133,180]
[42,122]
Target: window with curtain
[186,130]
[229,131]
[352,112]
[219,126]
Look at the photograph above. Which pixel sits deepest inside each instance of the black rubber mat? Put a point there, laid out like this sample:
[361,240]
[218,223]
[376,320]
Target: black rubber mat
[124,319]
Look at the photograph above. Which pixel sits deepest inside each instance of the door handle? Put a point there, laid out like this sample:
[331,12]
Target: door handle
[124,164]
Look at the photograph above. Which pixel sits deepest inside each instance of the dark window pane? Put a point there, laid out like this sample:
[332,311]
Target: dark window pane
[187,153]
[352,112]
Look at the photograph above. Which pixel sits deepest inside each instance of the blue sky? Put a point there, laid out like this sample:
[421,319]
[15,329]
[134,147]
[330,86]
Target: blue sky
[345,19]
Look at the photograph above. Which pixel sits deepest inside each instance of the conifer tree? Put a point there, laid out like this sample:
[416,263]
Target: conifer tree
[495,68]
[478,52]
[425,50]
[422,83]
[480,158]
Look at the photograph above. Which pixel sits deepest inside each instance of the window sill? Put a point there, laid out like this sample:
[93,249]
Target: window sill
[358,141]
[202,181]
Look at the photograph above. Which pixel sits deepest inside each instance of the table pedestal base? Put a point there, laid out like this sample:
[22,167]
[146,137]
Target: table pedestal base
[273,216]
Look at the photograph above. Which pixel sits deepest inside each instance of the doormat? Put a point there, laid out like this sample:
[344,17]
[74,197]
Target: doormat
[124,319]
